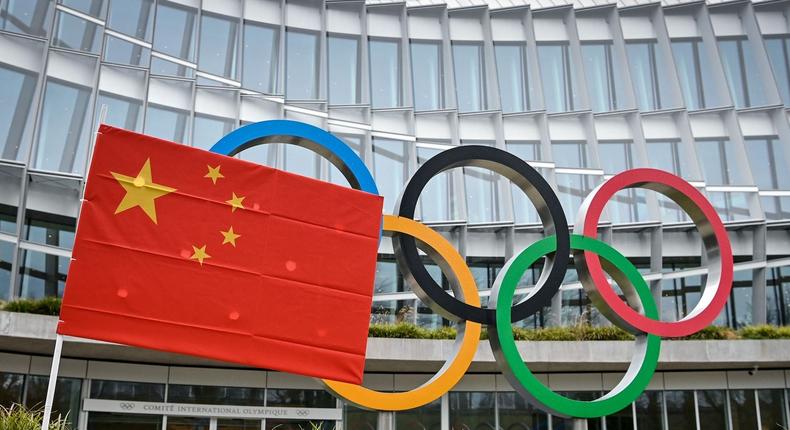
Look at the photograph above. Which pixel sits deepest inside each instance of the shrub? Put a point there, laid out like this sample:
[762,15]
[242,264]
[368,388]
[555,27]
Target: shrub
[765,332]
[713,333]
[18,418]
[43,306]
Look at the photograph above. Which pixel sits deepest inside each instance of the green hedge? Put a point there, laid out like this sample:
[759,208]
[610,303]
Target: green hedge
[44,306]
[578,332]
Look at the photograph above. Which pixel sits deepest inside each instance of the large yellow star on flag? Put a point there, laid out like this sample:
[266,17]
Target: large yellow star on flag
[199,254]
[229,236]
[235,202]
[141,191]
[214,174]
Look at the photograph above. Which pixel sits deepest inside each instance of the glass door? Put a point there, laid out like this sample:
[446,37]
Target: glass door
[238,424]
[188,423]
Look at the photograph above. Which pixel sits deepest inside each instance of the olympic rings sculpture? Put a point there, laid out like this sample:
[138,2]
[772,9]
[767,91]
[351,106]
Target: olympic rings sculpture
[638,314]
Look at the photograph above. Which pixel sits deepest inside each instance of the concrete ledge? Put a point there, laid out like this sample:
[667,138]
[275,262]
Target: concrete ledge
[35,334]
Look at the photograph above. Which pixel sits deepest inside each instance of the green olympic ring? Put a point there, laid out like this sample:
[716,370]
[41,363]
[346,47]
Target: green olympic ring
[638,296]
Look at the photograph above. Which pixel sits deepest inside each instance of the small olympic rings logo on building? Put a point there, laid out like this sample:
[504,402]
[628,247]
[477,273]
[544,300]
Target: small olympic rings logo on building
[638,314]
[127,406]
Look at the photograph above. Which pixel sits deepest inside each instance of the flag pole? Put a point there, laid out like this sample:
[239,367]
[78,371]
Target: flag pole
[53,371]
[53,378]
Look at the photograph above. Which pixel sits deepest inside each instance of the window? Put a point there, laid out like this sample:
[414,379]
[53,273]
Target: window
[742,74]
[694,73]
[218,45]
[424,417]
[778,49]
[778,295]
[355,143]
[435,200]
[390,168]
[122,52]
[649,411]
[482,198]
[627,205]
[718,160]
[511,68]
[42,275]
[572,189]
[301,65]
[7,251]
[681,414]
[123,112]
[301,161]
[167,122]
[11,388]
[17,92]
[731,206]
[473,410]
[712,409]
[772,409]
[385,72]
[215,395]
[357,418]
[427,75]
[32,17]
[50,229]
[469,68]
[769,163]
[648,74]
[665,156]
[63,130]
[76,33]
[744,409]
[176,39]
[343,52]
[604,78]
[569,154]
[261,47]
[67,396]
[516,413]
[680,296]
[523,210]
[132,17]
[557,74]
[123,390]
[209,130]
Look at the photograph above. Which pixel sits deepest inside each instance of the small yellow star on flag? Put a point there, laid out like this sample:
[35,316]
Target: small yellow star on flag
[235,202]
[199,254]
[141,191]
[229,236]
[214,174]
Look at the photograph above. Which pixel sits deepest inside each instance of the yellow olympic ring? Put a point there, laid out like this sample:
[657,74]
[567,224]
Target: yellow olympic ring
[465,344]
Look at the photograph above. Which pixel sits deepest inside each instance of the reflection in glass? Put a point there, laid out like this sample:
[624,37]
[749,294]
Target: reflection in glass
[124,390]
[177,38]
[627,205]
[355,143]
[523,209]
[301,161]
[390,168]
[731,206]
[772,414]
[426,417]
[740,68]
[572,189]
[604,78]
[301,65]
[712,409]
[209,130]
[573,424]
[122,52]
[63,130]
[50,229]
[511,68]
[769,163]
[67,397]
[187,423]
[385,72]
[694,73]
[166,122]
[33,17]
[362,419]
[132,17]
[472,410]
[343,55]
[777,48]
[718,161]
[10,386]
[665,156]
[426,74]
[622,420]
[122,112]
[7,250]
[776,208]
[76,33]
[743,409]
[557,74]
[16,95]
[469,67]
[215,395]
[299,398]
[261,47]
[238,424]
[680,410]
[516,414]
[482,198]
[680,296]
[218,45]
[778,292]
[42,275]
[569,154]
[649,411]
[94,8]
[648,74]
[111,421]
[435,199]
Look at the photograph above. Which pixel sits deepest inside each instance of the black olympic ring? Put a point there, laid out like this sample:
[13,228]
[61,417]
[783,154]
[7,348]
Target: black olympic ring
[540,194]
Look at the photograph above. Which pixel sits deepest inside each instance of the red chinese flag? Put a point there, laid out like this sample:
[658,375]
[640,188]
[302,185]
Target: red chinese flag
[183,250]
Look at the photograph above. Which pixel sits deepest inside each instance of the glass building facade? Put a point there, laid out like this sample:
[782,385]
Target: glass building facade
[581,93]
